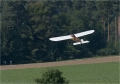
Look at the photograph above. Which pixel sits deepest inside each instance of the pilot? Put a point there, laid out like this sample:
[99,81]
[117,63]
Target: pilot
[74,38]
[72,35]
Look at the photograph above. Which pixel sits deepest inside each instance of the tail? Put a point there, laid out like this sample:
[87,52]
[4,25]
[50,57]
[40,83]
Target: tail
[82,41]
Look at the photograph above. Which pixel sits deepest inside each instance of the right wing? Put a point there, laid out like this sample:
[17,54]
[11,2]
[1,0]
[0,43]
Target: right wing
[84,33]
[60,38]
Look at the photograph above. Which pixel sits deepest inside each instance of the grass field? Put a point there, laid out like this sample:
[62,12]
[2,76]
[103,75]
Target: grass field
[99,73]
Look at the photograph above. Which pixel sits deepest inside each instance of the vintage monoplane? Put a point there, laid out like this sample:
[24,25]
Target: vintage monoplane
[74,37]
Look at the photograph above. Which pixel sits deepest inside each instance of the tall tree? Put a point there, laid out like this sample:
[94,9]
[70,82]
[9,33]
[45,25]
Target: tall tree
[13,19]
[115,30]
[119,27]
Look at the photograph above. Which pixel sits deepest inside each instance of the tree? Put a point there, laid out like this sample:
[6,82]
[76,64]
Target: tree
[52,76]
[14,22]
[119,27]
[26,27]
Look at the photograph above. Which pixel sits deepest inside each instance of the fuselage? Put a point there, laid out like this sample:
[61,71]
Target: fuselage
[74,38]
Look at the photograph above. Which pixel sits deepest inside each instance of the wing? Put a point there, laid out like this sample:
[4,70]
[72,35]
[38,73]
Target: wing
[84,33]
[60,38]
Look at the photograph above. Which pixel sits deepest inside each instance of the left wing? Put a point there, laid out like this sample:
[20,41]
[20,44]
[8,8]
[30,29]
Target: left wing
[60,38]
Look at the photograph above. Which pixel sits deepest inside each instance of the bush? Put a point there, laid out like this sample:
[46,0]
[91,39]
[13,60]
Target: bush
[108,51]
[103,52]
[52,76]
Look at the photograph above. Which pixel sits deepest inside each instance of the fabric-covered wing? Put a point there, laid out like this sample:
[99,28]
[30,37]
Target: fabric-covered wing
[60,38]
[84,33]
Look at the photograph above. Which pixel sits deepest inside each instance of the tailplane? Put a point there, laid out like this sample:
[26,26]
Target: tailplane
[82,42]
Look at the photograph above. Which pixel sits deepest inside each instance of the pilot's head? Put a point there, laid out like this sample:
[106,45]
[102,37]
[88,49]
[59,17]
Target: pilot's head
[72,35]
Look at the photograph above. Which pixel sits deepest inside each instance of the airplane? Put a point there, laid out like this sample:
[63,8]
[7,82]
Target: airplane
[74,37]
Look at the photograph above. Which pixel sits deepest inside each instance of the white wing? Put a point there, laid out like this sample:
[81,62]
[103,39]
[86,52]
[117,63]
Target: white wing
[84,33]
[69,36]
[61,38]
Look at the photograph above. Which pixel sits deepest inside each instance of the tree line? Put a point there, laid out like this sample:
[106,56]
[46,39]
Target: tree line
[26,27]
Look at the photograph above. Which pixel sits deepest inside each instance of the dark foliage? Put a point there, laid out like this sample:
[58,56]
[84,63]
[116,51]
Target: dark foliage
[52,76]
[26,27]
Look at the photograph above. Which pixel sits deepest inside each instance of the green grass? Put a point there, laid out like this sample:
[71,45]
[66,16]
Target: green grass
[100,73]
